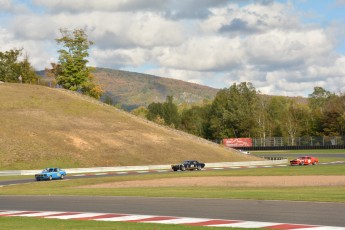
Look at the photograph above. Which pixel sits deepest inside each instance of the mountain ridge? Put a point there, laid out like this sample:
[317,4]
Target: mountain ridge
[131,89]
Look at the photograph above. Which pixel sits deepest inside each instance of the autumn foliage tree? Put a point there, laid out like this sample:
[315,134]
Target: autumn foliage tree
[72,72]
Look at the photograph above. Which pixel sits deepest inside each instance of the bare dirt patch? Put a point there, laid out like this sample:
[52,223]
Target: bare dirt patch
[242,181]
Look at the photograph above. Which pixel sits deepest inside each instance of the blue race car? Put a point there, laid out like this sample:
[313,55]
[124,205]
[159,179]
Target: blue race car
[50,174]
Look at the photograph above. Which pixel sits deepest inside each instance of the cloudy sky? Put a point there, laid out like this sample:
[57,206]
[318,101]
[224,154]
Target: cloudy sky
[283,47]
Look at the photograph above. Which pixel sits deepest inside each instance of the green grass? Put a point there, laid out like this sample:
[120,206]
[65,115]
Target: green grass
[70,187]
[298,152]
[29,223]
[295,153]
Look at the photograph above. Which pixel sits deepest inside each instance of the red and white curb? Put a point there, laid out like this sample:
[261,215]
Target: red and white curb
[163,220]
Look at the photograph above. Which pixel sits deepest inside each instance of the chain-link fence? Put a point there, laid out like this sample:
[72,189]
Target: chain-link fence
[299,141]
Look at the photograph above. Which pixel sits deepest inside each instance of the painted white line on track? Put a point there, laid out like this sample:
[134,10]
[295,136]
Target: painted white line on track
[185,220]
[73,216]
[127,218]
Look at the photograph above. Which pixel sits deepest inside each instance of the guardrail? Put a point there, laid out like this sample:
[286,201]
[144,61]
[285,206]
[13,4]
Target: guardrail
[143,168]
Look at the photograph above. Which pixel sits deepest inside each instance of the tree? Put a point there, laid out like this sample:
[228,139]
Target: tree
[319,97]
[155,110]
[170,112]
[195,120]
[232,112]
[27,72]
[13,70]
[72,72]
[262,116]
[166,111]
[317,102]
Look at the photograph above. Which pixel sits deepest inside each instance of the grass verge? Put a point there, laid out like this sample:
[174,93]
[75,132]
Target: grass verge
[29,223]
[70,187]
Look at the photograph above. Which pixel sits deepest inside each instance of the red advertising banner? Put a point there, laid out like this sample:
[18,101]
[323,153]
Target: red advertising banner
[238,142]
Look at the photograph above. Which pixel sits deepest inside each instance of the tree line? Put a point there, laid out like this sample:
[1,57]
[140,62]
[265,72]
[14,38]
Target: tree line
[242,111]
[70,72]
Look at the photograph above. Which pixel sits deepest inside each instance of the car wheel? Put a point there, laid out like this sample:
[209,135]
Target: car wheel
[314,163]
[183,168]
[302,163]
[50,177]
[61,177]
[199,167]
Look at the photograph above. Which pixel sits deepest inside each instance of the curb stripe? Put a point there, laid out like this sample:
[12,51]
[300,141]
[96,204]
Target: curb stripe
[101,216]
[163,220]
[214,222]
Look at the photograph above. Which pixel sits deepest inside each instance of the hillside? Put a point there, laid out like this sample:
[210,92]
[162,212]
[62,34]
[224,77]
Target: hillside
[131,90]
[43,127]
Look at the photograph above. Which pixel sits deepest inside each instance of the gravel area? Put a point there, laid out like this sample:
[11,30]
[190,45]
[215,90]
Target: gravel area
[240,181]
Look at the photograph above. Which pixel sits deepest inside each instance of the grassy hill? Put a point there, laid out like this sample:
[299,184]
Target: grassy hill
[134,89]
[43,127]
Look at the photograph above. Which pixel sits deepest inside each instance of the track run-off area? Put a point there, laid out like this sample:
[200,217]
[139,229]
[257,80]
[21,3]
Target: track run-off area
[186,211]
[124,173]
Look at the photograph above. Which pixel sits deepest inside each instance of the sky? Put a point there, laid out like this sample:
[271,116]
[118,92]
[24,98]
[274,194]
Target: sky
[282,47]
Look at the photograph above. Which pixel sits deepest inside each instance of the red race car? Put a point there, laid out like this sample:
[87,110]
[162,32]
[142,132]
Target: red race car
[307,160]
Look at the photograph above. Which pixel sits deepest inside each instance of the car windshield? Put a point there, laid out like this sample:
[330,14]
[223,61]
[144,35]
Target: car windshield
[48,170]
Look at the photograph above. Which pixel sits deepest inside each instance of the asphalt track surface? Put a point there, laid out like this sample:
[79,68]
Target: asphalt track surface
[314,213]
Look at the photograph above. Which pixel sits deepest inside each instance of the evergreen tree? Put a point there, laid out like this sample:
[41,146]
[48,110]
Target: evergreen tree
[13,70]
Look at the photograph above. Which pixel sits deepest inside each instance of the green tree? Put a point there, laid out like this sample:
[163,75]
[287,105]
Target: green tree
[317,102]
[155,110]
[141,111]
[195,120]
[319,97]
[27,72]
[261,116]
[13,70]
[276,109]
[232,112]
[167,111]
[170,112]
[72,72]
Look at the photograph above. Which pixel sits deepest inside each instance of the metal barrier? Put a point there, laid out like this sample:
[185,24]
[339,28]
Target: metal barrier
[143,168]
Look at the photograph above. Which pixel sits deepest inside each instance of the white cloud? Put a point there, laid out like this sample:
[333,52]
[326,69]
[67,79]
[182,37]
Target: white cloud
[209,42]
[202,54]
[8,6]
[340,2]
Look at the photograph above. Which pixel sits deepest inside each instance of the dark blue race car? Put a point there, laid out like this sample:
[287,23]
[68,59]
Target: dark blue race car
[51,174]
